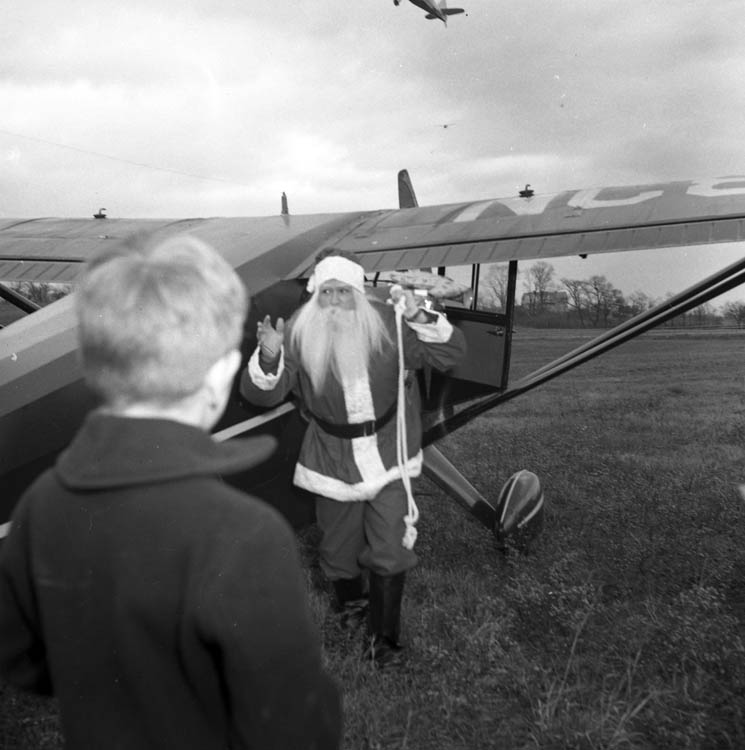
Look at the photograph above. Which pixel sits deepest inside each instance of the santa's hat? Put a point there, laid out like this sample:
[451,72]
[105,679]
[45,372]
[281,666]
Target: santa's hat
[340,268]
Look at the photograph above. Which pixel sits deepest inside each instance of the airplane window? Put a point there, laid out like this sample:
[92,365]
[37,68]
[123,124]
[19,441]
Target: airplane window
[41,293]
[488,284]
[492,289]
[464,275]
[38,293]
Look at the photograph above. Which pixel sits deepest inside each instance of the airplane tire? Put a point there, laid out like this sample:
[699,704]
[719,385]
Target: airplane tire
[519,511]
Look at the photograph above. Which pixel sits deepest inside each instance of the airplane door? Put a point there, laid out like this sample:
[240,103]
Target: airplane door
[488,338]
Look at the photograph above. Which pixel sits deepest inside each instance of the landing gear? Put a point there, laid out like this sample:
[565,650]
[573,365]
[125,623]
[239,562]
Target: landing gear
[519,516]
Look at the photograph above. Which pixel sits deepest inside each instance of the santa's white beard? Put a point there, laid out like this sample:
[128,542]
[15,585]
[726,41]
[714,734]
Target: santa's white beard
[337,341]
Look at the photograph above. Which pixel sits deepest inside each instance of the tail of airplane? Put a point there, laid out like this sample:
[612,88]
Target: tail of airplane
[406,194]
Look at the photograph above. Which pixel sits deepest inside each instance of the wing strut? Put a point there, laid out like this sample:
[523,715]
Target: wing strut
[447,477]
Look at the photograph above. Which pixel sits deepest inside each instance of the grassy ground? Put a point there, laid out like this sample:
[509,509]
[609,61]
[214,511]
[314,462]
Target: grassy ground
[624,626]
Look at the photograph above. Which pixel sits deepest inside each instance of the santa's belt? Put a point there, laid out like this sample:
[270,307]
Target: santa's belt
[358,429]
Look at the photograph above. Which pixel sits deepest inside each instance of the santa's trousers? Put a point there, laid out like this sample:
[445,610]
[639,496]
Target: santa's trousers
[364,534]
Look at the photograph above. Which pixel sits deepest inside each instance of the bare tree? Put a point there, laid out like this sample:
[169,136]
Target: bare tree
[639,302]
[41,293]
[495,284]
[736,311]
[605,300]
[702,314]
[538,283]
[579,297]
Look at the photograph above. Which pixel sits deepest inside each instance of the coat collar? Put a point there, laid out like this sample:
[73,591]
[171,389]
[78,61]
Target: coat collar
[113,451]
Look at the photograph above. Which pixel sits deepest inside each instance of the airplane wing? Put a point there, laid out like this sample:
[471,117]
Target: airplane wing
[268,249]
[265,249]
[579,222]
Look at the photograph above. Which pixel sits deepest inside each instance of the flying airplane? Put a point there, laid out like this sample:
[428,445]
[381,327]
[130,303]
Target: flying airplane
[43,398]
[434,10]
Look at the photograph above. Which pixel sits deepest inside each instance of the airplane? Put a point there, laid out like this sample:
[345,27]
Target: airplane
[434,10]
[43,398]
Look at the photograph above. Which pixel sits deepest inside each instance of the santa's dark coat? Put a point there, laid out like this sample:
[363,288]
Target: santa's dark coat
[357,469]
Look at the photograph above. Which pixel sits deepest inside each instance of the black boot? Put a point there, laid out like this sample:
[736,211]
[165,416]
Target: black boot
[351,601]
[383,645]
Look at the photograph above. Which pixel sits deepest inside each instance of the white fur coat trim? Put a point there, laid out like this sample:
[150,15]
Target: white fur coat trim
[437,332]
[265,381]
[335,489]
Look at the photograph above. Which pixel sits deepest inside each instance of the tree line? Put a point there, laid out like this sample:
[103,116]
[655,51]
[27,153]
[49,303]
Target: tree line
[593,302]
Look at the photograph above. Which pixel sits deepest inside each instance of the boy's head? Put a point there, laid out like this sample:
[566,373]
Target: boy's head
[155,317]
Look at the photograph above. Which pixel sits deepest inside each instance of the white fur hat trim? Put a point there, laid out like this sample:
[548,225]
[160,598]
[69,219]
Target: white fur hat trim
[339,268]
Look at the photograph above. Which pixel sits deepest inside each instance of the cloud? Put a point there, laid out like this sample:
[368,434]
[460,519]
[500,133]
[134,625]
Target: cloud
[223,102]
[215,107]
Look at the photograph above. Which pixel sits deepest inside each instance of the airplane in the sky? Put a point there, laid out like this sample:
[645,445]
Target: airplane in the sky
[43,398]
[434,10]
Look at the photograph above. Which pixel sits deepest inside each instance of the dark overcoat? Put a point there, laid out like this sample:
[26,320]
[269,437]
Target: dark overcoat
[162,607]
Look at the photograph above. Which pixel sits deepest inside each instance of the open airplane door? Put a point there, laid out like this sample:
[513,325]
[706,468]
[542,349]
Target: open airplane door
[488,338]
[485,367]
[487,359]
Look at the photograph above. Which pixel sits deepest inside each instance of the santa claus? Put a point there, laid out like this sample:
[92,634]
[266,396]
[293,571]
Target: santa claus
[351,367]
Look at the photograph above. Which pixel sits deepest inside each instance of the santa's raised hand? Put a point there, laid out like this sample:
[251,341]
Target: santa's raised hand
[409,304]
[270,338]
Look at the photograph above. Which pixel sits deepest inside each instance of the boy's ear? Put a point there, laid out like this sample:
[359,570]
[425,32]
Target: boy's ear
[220,376]
[232,363]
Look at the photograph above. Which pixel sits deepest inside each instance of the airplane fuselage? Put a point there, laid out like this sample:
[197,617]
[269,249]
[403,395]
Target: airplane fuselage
[435,10]
[43,398]
[430,8]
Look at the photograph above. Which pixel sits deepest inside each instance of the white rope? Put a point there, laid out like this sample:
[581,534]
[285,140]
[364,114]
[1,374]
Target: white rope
[402,448]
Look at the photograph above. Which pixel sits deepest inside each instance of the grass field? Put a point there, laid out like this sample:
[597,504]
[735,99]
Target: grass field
[624,626]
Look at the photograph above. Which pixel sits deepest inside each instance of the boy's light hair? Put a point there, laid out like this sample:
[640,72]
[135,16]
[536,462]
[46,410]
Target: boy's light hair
[154,317]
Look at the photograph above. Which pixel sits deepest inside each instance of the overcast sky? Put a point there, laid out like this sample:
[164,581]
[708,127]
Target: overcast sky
[214,107]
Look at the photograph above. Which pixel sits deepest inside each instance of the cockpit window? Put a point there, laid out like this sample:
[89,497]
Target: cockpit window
[20,298]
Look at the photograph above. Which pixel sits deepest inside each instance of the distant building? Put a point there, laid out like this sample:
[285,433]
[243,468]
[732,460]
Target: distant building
[550,301]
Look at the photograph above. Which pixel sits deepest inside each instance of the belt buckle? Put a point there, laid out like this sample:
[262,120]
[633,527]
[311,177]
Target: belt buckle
[368,428]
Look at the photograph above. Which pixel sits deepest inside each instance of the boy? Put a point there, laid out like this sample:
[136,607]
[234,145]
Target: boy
[163,608]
